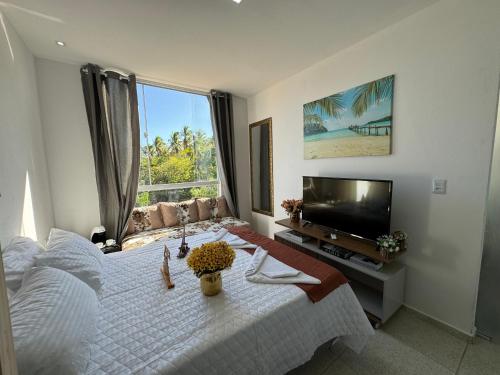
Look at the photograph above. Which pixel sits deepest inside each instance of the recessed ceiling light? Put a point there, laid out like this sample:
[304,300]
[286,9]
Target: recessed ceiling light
[60,44]
[237,1]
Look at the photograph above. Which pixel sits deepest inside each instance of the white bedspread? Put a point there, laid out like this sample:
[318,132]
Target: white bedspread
[248,328]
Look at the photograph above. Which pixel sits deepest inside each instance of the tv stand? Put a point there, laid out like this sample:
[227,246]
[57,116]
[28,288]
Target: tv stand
[380,292]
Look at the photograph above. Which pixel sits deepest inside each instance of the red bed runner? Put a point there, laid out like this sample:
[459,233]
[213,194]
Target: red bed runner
[330,277]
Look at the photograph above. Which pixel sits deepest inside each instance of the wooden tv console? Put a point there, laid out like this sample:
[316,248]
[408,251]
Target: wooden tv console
[381,293]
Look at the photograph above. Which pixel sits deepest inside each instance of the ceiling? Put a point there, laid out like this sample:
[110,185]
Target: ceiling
[202,44]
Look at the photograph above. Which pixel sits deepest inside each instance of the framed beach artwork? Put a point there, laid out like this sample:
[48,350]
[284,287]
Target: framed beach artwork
[355,122]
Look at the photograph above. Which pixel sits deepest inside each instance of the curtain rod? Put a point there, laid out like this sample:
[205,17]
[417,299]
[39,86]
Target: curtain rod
[103,71]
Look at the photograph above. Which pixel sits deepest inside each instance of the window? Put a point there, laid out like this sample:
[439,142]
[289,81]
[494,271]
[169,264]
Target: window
[178,159]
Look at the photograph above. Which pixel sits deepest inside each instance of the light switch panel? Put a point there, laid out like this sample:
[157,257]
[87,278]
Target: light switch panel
[438,186]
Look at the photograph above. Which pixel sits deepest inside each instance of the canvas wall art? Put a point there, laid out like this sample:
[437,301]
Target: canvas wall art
[355,122]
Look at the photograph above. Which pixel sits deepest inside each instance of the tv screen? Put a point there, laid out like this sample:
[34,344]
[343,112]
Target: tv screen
[358,207]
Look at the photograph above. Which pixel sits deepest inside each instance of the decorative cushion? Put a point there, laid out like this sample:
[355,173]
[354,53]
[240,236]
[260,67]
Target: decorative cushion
[223,208]
[53,318]
[19,257]
[147,218]
[183,213]
[207,208]
[193,210]
[74,254]
[169,213]
[130,226]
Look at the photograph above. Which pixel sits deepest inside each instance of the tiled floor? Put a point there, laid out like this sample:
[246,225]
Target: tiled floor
[408,344]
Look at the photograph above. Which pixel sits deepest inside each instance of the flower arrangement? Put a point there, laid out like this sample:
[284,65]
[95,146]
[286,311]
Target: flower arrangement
[211,257]
[401,237]
[390,244]
[293,208]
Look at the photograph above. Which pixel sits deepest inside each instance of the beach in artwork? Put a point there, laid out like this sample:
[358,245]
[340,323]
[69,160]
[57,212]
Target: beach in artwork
[356,122]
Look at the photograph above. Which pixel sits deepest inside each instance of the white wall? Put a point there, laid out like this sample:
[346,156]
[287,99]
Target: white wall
[25,207]
[446,59]
[68,146]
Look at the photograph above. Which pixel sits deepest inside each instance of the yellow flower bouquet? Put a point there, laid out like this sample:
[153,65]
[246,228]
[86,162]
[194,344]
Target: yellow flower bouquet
[211,257]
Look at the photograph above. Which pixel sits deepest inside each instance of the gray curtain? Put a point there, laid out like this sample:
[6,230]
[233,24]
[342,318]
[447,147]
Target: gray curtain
[112,112]
[222,115]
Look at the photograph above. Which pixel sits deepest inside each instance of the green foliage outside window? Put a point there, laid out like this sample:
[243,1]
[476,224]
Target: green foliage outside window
[186,156]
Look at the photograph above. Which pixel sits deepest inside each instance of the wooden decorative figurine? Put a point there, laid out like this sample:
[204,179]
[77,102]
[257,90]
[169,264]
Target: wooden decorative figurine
[165,270]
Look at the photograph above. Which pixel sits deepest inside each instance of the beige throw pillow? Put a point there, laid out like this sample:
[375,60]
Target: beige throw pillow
[204,209]
[169,213]
[223,208]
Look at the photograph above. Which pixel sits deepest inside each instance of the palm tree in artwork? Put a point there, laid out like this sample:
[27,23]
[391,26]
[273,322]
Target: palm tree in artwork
[175,143]
[330,106]
[314,112]
[371,93]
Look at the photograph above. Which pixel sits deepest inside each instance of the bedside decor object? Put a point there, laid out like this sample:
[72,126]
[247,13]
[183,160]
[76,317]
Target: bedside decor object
[98,234]
[354,122]
[165,269]
[207,261]
[183,217]
[293,208]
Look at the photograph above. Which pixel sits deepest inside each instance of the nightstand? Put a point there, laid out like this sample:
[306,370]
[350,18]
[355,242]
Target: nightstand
[111,249]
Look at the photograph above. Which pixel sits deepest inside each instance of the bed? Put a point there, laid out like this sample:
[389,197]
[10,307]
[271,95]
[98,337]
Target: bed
[249,328]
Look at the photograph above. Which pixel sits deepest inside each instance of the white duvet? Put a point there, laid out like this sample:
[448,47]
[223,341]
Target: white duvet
[248,328]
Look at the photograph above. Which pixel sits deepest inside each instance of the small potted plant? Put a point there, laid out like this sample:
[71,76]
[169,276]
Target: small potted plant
[402,239]
[388,246]
[391,244]
[207,262]
[293,208]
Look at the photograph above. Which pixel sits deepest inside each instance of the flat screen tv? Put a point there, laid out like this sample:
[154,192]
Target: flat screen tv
[361,208]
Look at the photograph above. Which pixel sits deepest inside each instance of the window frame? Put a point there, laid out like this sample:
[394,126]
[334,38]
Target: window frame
[181,185]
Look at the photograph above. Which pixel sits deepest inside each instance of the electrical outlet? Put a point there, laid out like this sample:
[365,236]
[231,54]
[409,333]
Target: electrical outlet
[438,186]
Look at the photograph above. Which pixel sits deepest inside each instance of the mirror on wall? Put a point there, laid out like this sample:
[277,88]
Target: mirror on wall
[261,166]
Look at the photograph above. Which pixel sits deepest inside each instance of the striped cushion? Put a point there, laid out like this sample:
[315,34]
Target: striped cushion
[54,318]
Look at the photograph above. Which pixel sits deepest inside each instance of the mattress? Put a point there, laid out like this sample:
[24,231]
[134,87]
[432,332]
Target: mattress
[248,328]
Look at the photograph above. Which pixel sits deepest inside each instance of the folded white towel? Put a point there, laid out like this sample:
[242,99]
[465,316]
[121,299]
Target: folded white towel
[256,261]
[219,235]
[263,268]
[278,274]
[232,240]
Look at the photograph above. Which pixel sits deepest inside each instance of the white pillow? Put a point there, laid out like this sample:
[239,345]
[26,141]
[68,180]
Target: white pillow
[81,265]
[62,240]
[53,318]
[74,254]
[19,257]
